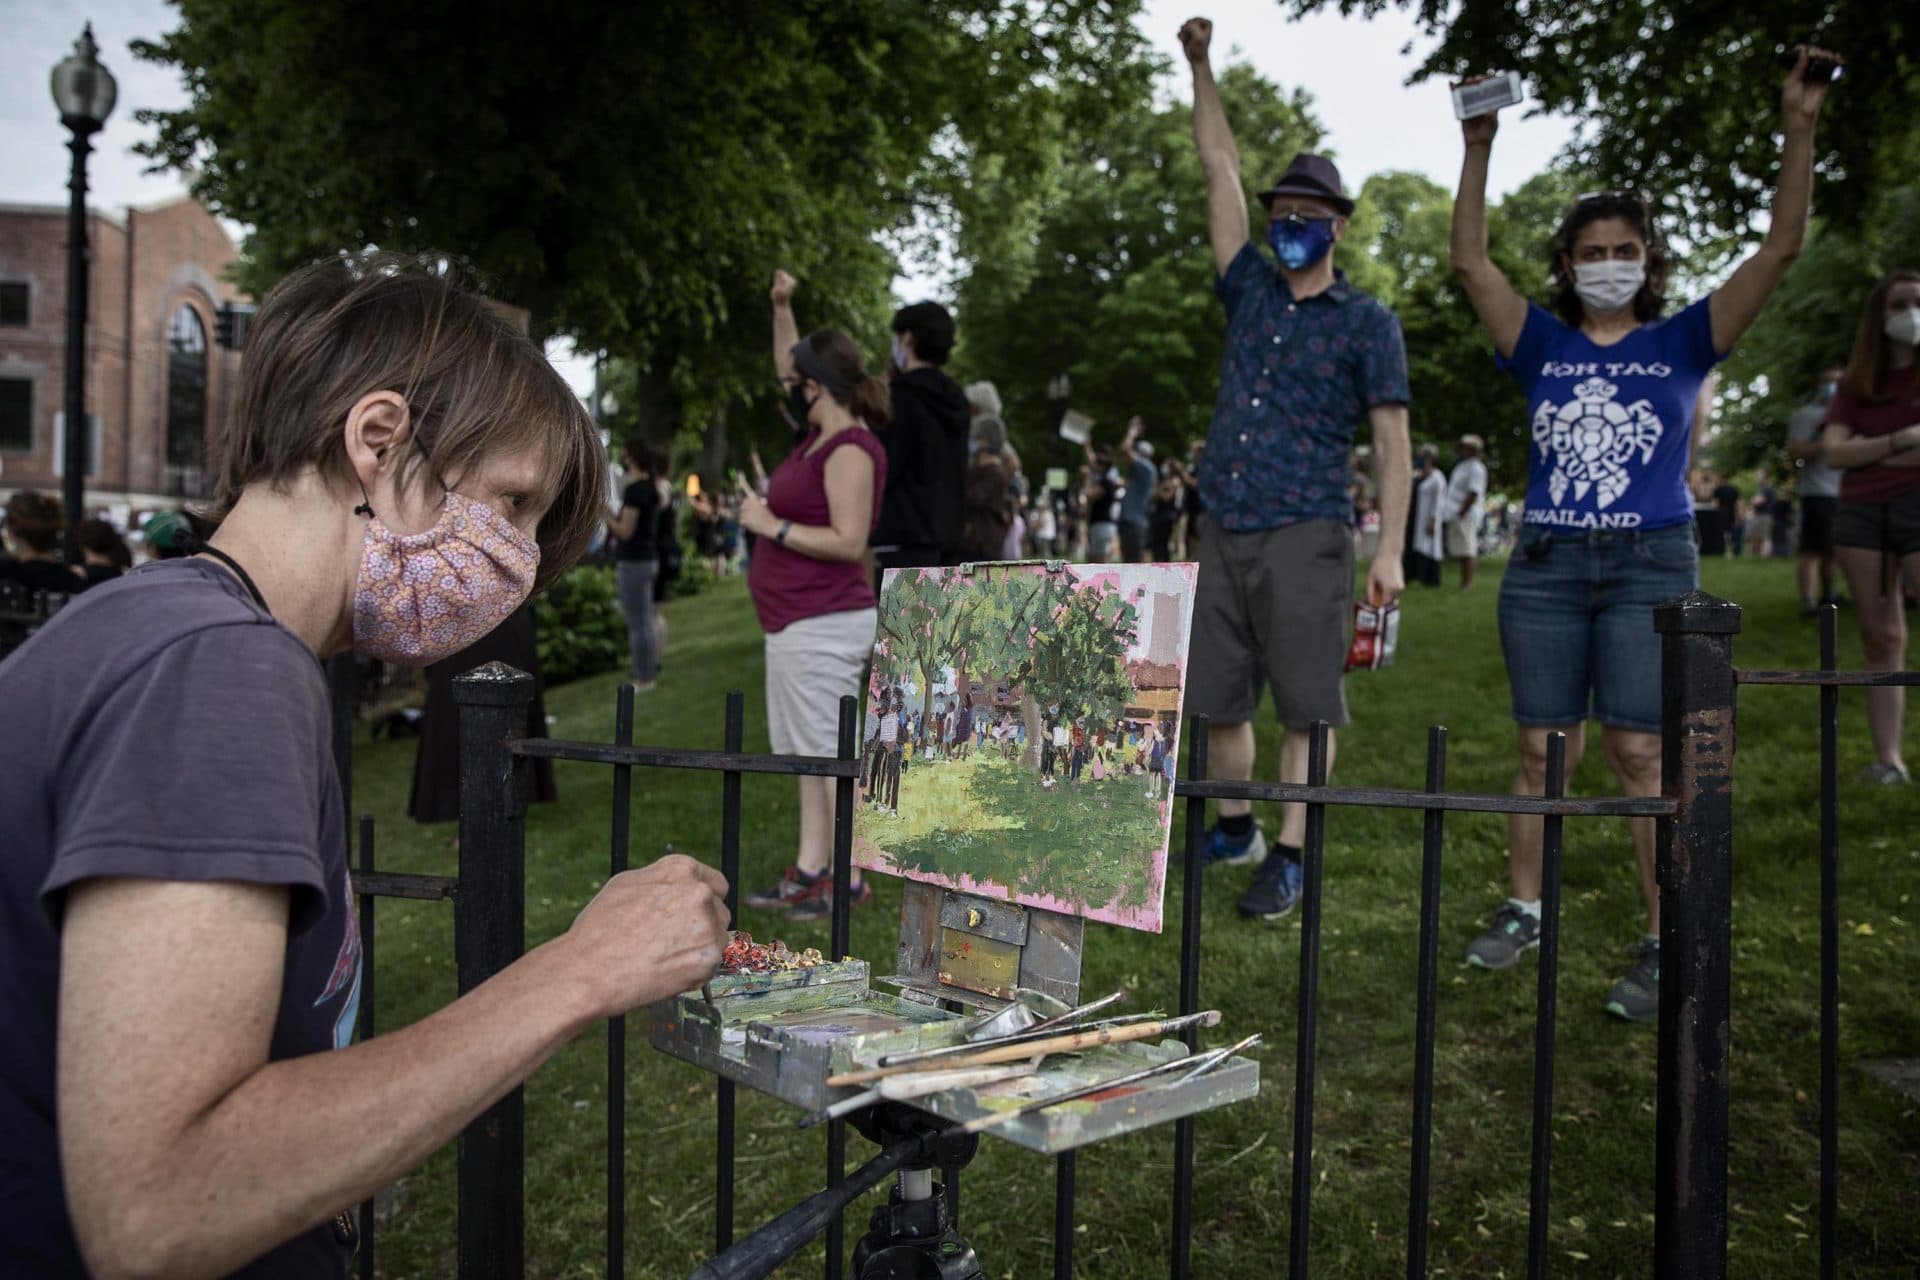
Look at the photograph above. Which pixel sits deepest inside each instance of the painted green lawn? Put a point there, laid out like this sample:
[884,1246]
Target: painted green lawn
[990,819]
[1449,672]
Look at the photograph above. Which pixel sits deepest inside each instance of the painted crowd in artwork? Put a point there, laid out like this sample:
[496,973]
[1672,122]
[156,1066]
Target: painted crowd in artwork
[1021,730]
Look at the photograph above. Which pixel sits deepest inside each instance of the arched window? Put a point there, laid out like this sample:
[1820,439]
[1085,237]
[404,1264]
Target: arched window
[186,402]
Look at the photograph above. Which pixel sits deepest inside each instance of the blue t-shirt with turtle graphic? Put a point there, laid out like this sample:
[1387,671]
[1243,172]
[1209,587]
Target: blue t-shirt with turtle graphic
[1609,427]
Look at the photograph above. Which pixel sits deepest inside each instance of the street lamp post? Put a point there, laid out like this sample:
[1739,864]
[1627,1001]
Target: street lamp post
[84,91]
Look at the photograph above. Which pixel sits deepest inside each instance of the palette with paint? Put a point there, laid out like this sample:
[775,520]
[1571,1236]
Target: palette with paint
[961,960]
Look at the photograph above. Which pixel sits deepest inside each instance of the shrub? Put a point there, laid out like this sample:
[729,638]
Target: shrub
[582,632]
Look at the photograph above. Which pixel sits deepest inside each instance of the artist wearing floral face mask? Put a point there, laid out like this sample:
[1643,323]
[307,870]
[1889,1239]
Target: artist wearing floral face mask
[401,469]
[1872,437]
[1614,398]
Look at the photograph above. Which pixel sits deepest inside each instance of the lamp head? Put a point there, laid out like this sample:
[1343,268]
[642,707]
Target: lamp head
[83,88]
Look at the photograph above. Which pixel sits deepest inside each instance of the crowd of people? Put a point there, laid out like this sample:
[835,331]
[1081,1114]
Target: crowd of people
[188,968]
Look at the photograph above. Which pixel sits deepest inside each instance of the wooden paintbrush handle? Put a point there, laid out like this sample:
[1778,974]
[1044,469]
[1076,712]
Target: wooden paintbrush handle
[1072,1043]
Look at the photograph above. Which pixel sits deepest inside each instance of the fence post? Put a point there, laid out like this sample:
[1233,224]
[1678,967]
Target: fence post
[343,694]
[489,933]
[1695,860]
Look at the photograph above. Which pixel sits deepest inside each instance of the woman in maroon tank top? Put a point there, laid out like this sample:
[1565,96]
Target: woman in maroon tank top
[808,575]
[1872,436]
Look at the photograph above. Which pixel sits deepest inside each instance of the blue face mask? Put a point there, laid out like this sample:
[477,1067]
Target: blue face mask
[1300,242]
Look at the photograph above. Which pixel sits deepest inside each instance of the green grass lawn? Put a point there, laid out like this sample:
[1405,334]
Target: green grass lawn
[990,819]
[1449,672]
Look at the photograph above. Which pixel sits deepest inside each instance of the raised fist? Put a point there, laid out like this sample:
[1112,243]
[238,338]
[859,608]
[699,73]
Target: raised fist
[783,286]
[1479,130]
[1196,36]
[1800,98]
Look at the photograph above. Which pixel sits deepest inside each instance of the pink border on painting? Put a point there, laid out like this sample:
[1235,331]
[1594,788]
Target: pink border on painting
[1150,918]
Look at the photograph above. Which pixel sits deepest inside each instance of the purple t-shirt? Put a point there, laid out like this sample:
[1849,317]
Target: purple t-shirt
[162,725]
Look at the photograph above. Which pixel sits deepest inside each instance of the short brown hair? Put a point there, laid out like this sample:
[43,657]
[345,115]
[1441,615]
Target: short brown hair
[333,332]
[1866,379]
[36,519]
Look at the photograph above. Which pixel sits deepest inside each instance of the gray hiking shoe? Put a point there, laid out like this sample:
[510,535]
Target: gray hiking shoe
[1636,997]
[1512,932]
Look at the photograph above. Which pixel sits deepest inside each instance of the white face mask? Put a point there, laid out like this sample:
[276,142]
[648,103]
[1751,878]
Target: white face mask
[1608,286]
[1904,326]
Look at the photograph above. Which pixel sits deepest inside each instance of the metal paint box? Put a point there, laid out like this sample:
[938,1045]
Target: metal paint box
[786,1041]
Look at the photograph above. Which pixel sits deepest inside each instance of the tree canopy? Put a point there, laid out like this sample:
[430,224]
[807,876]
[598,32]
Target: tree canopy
[1681,98]
[631,174]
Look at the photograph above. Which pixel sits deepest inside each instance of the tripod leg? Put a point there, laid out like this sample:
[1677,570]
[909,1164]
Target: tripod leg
[758,1254]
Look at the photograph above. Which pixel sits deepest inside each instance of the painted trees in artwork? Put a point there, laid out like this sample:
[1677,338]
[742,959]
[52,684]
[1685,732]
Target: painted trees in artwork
[924,623]
[1061,642]
[1080,662]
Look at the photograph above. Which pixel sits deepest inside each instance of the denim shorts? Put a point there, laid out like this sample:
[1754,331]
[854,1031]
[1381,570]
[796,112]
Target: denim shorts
[1576,622]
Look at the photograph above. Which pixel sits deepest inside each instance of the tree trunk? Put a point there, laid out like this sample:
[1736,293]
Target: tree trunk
[656,413]
[1030,716]
[713,455]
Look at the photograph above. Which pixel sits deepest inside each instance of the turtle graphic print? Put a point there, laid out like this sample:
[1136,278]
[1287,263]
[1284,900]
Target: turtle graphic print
[1592,442]
[1609,427]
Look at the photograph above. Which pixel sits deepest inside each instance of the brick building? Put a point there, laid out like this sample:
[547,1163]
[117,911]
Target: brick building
[156,382]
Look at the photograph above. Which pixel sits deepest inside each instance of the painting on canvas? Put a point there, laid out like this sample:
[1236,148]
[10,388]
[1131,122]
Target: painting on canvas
[1020,733]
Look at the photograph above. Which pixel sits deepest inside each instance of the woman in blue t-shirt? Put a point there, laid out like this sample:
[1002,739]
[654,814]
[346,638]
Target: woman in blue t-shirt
[1612,385]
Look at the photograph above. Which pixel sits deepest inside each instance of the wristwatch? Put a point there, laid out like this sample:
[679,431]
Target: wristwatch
[781,537]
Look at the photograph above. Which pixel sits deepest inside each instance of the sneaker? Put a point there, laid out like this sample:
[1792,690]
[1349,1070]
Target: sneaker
[793,885]
[1232,850]
[1636,997]
[1885,774]
[1512,932]
[1808,608]
[1275,888]
[816,902]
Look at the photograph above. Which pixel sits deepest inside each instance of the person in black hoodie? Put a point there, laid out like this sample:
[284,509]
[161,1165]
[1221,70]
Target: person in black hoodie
[923,512]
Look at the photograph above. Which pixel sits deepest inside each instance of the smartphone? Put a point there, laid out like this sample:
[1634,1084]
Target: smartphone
[1481,97]
[1819,70]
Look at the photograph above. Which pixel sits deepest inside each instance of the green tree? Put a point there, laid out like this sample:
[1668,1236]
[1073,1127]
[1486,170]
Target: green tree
[1681,97]
[1105,273]
[628,173]
[1810,323]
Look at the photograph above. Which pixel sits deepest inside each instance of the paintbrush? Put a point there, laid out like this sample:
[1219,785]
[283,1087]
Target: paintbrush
[967,1048]
[1073,1017]
[1193,1064]
[1072,1042]
[907,1088]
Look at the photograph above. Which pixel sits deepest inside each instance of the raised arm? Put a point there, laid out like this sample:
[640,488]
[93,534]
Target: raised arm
[1502,311]
[1219,156]
[786,331]
[1736,304]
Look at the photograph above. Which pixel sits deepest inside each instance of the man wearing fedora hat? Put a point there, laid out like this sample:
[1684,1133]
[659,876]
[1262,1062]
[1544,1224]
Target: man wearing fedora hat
[1307,356]
[1466,506]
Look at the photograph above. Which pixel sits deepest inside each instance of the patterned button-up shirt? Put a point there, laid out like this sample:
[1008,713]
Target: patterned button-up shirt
[1295,380]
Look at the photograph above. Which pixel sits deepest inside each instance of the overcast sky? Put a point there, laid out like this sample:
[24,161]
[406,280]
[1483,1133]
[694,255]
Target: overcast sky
[1355,69]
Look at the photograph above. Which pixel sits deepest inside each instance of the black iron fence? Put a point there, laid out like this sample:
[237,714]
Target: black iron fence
[1694,817]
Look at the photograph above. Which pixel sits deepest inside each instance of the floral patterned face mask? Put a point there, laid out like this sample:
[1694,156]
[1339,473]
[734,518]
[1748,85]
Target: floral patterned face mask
[422,597]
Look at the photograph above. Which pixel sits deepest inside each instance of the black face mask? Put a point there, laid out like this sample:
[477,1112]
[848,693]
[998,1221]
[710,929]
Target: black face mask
[800,407]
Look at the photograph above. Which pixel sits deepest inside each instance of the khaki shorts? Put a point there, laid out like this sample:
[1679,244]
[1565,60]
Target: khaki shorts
[1273,607]
[810,666]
